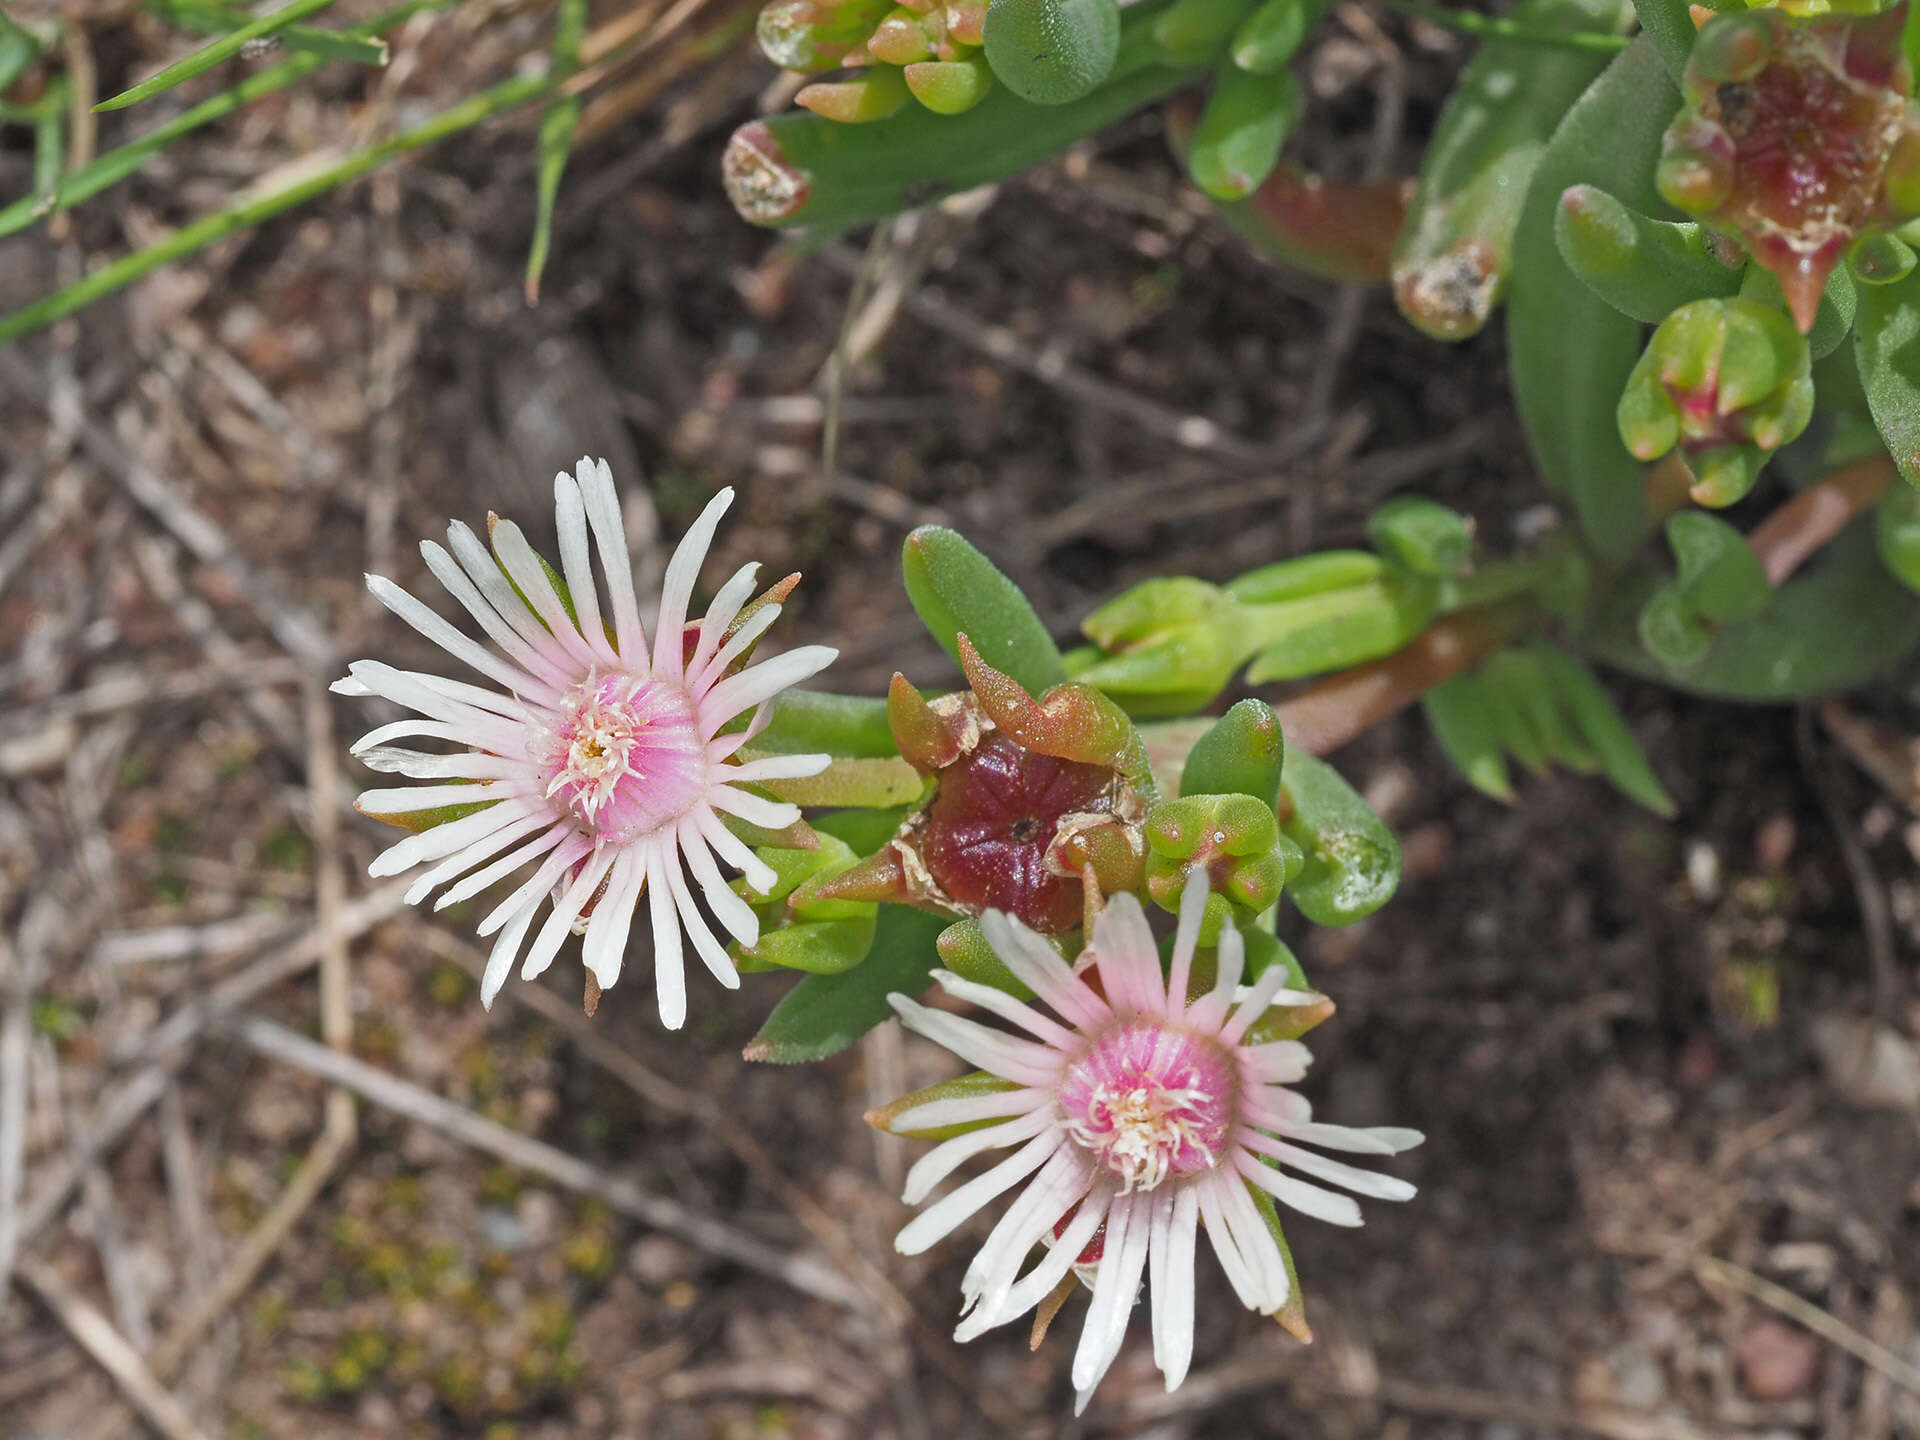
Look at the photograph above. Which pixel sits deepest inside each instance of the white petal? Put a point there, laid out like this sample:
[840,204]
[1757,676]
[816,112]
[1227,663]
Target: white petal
[761,682]
[616,561]
[517,557]
[1129,961]
[732,849]
[477,713]
[1208,1190]
[999,1002]
[1209,1012]
[461,646]
[1348,1177]
[1259,999]
[669,965]
[1116,1285]
[1173,1290]
[768,814]
[547,661]
[442,840]
[727,602]
[491,581]
[604,947]
[570,518]
[542,880]
[949,1155]
[757,624]
[1257,1246]
[469,856]
[1186,937]
[1003,1054]
[1039,967]
[676,591]
[731,911]
[1038,1282]
[555,834]
[1060,1185]
[1298,1194]
[411,728]
[565,910]
[967,1110]
[940,1218]
[1279,1062]
[780,767]
[426,765]
[407,800]
[500,962]
[711,952]
[1333,1137]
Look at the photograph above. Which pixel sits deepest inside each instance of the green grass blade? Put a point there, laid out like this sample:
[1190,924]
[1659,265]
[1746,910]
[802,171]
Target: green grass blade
[305,39]
[201,233]
[223,49]
[557,128]
[18,49]
[556,142]
[114,166]
[50,145]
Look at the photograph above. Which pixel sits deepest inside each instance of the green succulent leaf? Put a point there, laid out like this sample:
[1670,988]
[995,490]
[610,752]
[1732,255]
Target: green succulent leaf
[1568,393]
[956,590]
[1463,724]
[824,1014]
[1240,755]
[1352,860]
[1596,717]
[1887,350]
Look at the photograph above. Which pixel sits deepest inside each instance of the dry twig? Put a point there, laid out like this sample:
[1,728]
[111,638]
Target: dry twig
[95,1334]
[1713,1271]
[801,1272]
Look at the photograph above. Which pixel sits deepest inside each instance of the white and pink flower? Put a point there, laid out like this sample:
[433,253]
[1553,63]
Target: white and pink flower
[1137,1113]
[602,763]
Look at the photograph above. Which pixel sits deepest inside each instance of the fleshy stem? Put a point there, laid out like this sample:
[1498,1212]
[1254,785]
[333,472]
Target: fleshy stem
[1328,714]
[201,233]
[1794,532]
[1470,22]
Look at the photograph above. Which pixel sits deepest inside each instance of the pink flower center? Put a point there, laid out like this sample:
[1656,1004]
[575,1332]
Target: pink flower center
[1150,1101]
[623,754]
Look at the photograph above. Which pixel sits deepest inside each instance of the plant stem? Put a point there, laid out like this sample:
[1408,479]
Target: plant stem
[201,233]
[1787,538]
[1328,714]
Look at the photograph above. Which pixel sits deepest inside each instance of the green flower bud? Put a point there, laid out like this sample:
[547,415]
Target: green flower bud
[1728,381]
[950,87]
[1234,838]
[874,94]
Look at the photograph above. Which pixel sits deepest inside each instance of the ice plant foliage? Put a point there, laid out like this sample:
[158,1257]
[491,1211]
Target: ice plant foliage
[1138,1115]
[605,764]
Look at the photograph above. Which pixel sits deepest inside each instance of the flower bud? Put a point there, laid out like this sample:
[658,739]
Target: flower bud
[874,94]
[815,35]
[950,87]
[1030,797]
[1799,136]
[1234,838]
[1729,382]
